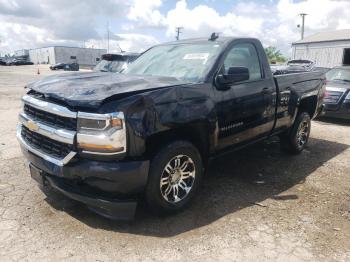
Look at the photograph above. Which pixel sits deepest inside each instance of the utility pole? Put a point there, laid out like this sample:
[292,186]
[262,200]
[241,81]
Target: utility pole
[178,32]
[302,24]
[107,37]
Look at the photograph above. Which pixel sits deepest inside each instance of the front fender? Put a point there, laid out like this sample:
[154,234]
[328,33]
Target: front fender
[168,109]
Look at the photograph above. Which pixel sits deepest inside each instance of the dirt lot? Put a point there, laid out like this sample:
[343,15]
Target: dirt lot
[255,205]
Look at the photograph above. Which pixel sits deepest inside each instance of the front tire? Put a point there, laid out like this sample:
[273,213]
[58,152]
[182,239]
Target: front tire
[175,174]
[296,139]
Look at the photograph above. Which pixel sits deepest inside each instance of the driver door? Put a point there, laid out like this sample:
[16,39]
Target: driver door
[249,108]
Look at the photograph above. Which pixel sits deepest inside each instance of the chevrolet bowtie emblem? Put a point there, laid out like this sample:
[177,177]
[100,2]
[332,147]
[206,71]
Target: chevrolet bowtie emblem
[32,126]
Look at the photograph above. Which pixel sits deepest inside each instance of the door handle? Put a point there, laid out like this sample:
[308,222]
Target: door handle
[265,90]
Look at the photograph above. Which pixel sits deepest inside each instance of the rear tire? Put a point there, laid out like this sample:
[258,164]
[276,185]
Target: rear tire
[297,137]
[175,174]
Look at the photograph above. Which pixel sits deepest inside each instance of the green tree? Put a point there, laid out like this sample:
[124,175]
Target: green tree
[274,55]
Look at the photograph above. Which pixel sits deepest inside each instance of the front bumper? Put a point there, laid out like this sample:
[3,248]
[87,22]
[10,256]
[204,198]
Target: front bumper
[107,207]
[108,188]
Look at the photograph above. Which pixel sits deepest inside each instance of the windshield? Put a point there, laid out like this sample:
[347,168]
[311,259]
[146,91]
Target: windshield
[188,62]
[109,66]
[338,74]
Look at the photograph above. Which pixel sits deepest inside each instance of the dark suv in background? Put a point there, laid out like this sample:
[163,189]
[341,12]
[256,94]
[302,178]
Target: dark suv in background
[337,96]
[115,62]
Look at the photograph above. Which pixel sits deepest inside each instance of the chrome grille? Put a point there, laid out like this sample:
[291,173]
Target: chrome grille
[44,144]
[47,130]
[51,119]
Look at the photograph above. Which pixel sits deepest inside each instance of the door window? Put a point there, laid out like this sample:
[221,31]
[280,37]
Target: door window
[244,55]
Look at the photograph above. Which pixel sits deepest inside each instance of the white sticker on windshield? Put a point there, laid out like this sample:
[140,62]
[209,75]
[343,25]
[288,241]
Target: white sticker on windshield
[197,56]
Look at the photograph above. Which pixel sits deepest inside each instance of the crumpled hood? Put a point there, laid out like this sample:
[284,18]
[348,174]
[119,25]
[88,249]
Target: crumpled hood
[89,89]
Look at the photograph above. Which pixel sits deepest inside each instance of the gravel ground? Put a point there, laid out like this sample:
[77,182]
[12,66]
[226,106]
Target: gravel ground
[255,205]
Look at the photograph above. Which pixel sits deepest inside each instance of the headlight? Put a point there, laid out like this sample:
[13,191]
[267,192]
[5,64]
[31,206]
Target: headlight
[101,133]
[99,122]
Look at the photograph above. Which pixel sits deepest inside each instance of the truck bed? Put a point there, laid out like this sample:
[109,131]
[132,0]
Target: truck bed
[301,83]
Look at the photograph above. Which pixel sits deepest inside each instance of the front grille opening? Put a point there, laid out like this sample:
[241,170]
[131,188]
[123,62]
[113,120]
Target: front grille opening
[51,119]
[46,145]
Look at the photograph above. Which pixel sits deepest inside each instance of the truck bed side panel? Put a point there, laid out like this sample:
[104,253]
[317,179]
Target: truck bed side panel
[292,89]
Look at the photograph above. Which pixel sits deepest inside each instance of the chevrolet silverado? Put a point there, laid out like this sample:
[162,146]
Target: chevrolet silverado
[111,139]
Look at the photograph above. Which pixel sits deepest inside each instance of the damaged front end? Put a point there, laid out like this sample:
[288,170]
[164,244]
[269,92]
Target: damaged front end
[81,155]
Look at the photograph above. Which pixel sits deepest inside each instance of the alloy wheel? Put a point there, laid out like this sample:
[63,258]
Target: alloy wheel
[177,178]
[302,134]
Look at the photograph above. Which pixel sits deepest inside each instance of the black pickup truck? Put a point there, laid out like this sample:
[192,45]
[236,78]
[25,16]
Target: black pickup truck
[110,139]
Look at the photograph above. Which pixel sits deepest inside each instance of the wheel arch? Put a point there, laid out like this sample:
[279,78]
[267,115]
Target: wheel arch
[308,105]
[197,134]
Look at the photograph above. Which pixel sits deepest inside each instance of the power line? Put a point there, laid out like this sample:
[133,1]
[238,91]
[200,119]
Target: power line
[178,32]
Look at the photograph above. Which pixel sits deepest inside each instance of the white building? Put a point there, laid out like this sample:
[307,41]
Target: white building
[64,54]
[22,52]
[326,49]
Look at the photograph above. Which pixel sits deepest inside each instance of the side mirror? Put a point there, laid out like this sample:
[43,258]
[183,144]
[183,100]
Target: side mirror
[234,75]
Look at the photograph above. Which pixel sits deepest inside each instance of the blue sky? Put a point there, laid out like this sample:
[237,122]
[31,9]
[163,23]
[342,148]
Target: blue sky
[137,24]
[220,6]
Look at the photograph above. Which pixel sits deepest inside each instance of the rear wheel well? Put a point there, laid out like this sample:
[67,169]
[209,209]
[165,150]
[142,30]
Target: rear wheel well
[197,135]
[308,105]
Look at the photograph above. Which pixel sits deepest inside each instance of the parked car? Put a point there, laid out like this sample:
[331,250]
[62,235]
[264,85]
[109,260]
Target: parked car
[115,62]
[296,66]
[65,66]
[107,140]
[57,66]
[71,67]
[337,96]
[22,62]
[9,61]
[17,62]
[300,65]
